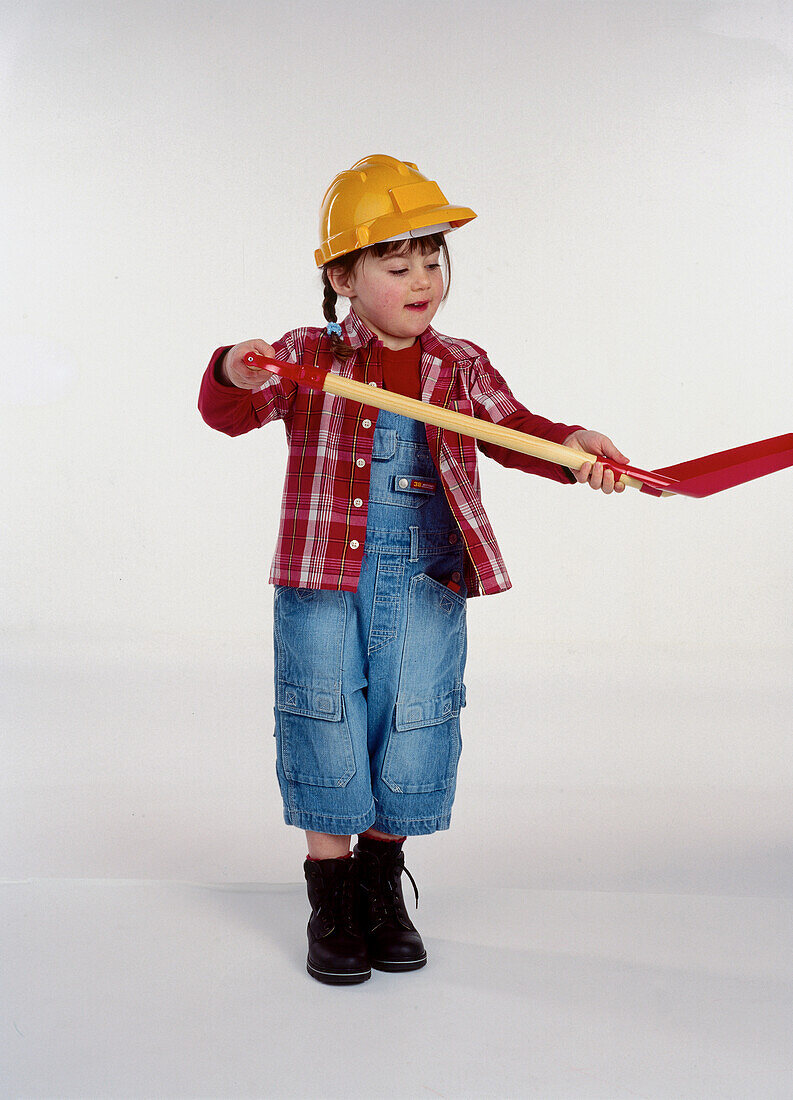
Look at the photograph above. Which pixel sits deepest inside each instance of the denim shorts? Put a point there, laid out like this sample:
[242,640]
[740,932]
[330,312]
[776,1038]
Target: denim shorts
[369,686]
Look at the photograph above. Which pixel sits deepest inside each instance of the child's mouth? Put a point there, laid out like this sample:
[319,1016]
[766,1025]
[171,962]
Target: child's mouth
[417,306]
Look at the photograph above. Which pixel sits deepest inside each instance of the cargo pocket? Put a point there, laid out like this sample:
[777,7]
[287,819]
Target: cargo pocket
[425,744]
[313,737]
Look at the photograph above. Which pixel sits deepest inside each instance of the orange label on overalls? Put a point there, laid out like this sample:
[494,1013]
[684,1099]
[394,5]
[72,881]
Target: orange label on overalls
[422,486]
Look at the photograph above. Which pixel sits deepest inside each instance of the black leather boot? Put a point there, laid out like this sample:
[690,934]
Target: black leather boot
[392,939]
[336,949]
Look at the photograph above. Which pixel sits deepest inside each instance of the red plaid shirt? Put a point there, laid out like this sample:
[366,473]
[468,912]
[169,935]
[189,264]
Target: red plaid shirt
[326,491]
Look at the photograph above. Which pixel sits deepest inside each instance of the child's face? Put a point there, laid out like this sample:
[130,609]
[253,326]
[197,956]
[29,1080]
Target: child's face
[396,296]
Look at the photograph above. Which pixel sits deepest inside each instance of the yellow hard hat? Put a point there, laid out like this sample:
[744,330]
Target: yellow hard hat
[382,199]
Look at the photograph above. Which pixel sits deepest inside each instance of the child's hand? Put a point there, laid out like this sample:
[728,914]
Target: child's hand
[597,444]
[241,374]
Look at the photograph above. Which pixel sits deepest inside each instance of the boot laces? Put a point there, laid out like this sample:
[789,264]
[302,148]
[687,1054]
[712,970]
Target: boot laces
[415,888]
[341,907]
[389,901]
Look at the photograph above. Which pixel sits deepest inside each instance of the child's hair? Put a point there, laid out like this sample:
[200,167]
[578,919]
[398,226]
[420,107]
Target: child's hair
[345,264]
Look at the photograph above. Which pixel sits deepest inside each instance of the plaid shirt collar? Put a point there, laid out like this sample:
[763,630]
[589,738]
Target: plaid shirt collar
[354,331]
[357,335]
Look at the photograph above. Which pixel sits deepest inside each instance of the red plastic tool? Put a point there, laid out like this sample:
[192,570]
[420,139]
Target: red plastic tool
[701,477]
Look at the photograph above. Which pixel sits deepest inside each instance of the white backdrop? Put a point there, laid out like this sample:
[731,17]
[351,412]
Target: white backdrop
[630,269]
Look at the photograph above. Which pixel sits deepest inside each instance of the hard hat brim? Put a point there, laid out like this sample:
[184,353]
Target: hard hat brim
[413,234]
[392,227]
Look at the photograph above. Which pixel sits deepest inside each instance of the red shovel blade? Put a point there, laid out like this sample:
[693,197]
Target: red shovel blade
[704,476]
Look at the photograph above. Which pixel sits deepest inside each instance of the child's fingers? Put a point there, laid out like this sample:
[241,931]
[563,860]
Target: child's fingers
[609,450]
[247,375]
[258,371]
[596,477]
[264,349]
[256,376]
[600,477]
[239,351]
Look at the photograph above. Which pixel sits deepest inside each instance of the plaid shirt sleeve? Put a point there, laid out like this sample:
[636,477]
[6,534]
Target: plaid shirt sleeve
[493,400]
[235,411]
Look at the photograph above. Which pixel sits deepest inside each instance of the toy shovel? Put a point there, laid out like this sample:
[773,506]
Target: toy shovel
[701,477]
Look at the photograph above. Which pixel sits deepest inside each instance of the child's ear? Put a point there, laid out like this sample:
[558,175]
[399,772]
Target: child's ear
[341,283]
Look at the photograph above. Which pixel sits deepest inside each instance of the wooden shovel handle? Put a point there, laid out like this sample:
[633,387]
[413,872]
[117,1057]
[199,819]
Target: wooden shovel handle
[453,421]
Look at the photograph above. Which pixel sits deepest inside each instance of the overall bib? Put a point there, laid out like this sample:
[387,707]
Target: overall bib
[369,684]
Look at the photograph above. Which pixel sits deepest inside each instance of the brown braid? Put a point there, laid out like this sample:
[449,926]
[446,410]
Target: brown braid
[345,265]
[340,348]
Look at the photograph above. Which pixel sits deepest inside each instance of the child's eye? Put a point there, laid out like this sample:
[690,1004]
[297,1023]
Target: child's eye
[398,271]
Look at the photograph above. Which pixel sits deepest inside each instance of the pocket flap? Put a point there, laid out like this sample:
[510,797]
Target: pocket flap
[384,443]
[414,483]
[416,713]
[309,701]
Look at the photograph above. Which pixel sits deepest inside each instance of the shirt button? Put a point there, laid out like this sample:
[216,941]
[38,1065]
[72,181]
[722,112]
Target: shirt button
[367,423]
[373,384]
[403,483]
[360,462]
[354,544]
[357,502]
[452,539]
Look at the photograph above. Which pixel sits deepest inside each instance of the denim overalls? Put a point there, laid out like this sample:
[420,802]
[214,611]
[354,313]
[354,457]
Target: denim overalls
[369,684]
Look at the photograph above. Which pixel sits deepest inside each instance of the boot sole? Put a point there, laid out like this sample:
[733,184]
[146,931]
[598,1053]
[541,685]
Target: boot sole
[396,967]
[338,977]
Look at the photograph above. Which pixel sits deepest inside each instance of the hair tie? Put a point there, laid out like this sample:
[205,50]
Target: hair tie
[333,329]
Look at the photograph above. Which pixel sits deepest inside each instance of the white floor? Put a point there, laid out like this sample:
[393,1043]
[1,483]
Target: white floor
[610,916]
[164,989]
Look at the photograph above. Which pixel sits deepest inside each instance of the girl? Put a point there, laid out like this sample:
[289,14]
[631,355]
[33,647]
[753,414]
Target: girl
[382,538]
